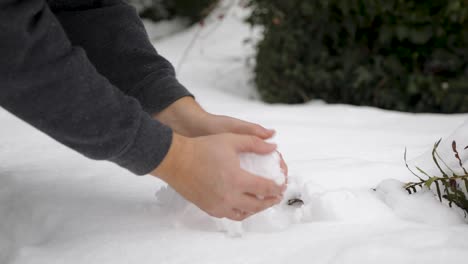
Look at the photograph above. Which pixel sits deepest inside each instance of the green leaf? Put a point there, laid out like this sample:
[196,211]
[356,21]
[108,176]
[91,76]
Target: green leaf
[429,182]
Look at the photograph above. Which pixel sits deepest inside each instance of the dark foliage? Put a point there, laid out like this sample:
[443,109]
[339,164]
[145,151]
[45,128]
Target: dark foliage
[393,54]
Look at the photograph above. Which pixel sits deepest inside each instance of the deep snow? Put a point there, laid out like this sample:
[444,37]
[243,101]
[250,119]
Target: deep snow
[58,207]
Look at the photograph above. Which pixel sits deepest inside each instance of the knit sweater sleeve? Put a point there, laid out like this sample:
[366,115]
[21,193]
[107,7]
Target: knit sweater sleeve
[117,44]
[52,85]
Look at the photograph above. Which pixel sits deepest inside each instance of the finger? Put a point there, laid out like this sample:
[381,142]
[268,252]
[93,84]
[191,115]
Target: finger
[247,128]
[251,204]
[237,215]
[260,186]
[252,144]
[283,164]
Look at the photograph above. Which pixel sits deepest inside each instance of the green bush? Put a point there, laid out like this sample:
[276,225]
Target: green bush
[157,10]
[394,54]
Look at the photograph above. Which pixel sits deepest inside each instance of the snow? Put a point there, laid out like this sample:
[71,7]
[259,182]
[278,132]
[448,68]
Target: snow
[460,136]
[157,31]
[276,218]
[267,166]
[58,207]
[420,207]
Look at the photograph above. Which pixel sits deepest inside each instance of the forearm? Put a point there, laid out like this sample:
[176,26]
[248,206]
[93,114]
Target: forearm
[186,117]
[117,44]
[52,86]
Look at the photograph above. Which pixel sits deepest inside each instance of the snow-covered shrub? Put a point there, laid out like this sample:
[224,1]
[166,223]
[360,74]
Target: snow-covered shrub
[157,10]
[395,54]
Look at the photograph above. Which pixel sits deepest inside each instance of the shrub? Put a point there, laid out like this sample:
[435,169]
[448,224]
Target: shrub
[393,54]
[157,10]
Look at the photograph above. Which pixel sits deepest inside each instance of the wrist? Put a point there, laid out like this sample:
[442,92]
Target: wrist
[177,158]
[184,116]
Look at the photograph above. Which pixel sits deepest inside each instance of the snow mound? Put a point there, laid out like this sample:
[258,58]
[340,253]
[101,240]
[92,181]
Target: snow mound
[445,151]
[422,207]
[389,201]
[183,214]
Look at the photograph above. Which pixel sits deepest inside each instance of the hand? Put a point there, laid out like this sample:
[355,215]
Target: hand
[186,117]
[206,171]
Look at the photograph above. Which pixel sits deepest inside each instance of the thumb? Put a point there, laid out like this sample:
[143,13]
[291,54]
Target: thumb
[252,144]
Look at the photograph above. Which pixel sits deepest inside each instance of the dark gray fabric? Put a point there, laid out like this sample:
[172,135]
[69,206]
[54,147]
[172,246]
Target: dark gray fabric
[116,42]
[61,76]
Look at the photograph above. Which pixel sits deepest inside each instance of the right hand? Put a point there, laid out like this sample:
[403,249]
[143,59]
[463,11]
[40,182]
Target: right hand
[206,171]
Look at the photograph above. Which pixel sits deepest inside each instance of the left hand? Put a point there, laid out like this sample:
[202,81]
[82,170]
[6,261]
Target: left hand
[186,117]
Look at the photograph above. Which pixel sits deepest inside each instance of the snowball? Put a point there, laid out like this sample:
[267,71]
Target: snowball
[267,166]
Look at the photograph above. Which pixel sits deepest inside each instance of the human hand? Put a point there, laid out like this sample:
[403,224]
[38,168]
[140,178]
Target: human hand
[206,171]
[187,118]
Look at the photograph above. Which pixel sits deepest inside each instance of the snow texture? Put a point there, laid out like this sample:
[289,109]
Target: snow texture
[319,205]
[58,207]
[460,136]
[275,218]
[422,207]
[267,166]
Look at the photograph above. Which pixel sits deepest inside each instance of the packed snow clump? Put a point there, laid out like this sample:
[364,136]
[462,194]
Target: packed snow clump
[267,166]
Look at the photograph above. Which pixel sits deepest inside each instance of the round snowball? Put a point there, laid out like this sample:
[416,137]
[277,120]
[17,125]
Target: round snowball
[266,166]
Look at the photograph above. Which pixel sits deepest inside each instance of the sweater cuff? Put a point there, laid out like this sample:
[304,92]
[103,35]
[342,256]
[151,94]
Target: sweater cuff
[148,149]
[156,94]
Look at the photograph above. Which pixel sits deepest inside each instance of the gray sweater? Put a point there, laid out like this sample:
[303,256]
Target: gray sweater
[85,73]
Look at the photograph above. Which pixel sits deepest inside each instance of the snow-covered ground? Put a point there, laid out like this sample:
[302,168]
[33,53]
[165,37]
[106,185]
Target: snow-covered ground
[58,207]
